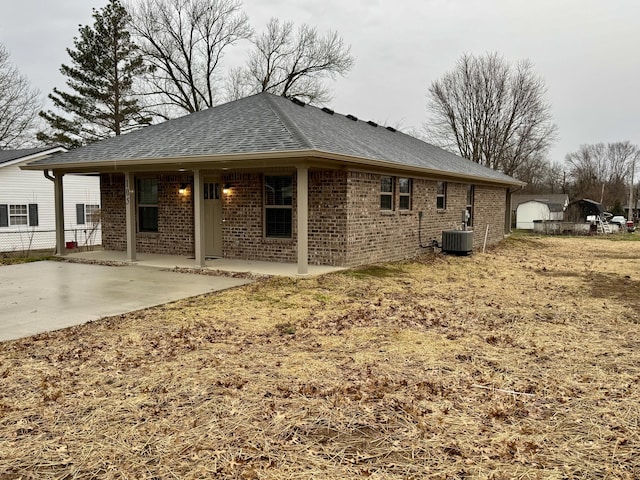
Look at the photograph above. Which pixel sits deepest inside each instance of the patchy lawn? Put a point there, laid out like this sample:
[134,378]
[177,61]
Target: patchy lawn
[521,363]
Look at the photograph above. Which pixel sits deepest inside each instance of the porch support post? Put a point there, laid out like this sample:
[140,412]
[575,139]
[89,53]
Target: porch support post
[130,213]
[302,210]
[59,212]
[198,216]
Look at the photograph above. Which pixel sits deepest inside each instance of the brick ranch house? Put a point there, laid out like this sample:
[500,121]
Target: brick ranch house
[268,178]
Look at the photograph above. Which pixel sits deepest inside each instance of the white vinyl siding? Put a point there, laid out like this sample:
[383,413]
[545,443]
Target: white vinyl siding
[35,192]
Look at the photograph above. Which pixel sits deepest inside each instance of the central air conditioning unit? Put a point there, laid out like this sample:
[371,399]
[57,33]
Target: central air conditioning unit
[459,242]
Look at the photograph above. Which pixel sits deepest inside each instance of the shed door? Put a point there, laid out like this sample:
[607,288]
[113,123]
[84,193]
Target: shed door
[213,217]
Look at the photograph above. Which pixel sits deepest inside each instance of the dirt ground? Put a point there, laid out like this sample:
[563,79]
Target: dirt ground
[520,363]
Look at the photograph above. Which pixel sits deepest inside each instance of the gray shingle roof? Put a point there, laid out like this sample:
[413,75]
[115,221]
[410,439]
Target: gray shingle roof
[559,198]
[10,155]
[265,123]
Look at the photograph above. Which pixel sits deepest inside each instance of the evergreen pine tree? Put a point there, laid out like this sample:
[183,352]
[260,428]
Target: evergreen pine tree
[105,65]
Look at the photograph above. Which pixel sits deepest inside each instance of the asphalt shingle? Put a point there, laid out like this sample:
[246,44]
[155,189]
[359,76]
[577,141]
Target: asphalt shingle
[265,123]
[9,155]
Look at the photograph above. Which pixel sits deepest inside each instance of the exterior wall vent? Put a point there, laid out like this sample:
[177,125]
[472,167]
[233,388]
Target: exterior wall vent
[458,242]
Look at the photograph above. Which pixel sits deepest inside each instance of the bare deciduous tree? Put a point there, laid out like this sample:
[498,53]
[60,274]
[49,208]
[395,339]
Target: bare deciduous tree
[19,105]
[292,64]
[601,172]
[492,113]
[183,42]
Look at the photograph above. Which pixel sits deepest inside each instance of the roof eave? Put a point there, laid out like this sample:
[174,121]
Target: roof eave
[33,156]
[190,161]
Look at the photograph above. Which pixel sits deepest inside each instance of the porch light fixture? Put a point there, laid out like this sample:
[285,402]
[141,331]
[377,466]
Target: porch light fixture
[183,189]
[226,188]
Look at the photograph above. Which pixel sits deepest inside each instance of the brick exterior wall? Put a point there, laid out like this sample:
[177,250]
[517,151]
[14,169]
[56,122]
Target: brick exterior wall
[346,225]
[112,212]
[243,212]
[175,216]
[375,235]
[328,217]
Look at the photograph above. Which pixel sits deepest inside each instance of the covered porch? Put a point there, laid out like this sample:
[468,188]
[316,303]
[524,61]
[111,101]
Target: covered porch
[214,264]
[192,196]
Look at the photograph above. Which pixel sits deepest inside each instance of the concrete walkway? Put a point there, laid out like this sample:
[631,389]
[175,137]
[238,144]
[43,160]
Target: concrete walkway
[43,296]
[222,264]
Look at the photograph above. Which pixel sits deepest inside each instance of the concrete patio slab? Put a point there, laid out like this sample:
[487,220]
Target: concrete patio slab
[43,296]
[222,264]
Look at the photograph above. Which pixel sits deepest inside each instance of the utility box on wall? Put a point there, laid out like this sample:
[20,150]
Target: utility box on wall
[459,242]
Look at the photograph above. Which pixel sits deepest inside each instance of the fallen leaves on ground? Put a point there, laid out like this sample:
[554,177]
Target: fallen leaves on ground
[520,363]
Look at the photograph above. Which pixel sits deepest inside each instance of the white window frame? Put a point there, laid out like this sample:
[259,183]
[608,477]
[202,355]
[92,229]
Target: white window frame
[91,212]
[14,215]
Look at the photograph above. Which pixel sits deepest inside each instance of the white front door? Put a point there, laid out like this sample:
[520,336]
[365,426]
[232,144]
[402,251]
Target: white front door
[212,192]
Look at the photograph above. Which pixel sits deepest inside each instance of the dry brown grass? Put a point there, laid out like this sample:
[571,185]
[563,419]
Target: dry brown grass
[521,363]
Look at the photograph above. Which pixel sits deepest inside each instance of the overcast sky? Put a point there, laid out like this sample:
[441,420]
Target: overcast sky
[587,51]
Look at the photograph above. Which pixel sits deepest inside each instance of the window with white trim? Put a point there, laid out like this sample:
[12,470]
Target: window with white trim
[92,213]
[278,206]
[87,214]
[441,196]
[404,193]
[18,215]
[386,193]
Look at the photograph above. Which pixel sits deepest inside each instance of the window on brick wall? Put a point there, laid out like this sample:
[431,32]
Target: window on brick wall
[386,193]
[471,192]
[278,206]
[404,192]
[147,204]
[441,196]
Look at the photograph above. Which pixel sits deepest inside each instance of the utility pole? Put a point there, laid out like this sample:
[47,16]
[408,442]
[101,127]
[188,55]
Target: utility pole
[631,199]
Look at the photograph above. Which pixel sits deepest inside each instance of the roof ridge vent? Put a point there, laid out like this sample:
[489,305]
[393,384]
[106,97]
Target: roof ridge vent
[391,129]
[351,117]
[328,110]
[372,123]
[298,101]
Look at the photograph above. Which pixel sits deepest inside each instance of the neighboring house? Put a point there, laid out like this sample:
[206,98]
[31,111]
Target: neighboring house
[555,198]
[267,178]
[27,212]
[537,210]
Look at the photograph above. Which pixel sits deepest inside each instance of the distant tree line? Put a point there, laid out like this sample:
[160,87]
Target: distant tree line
[496,114]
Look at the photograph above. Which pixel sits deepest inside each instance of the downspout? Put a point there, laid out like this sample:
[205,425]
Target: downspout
[507,219]
[48,176]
